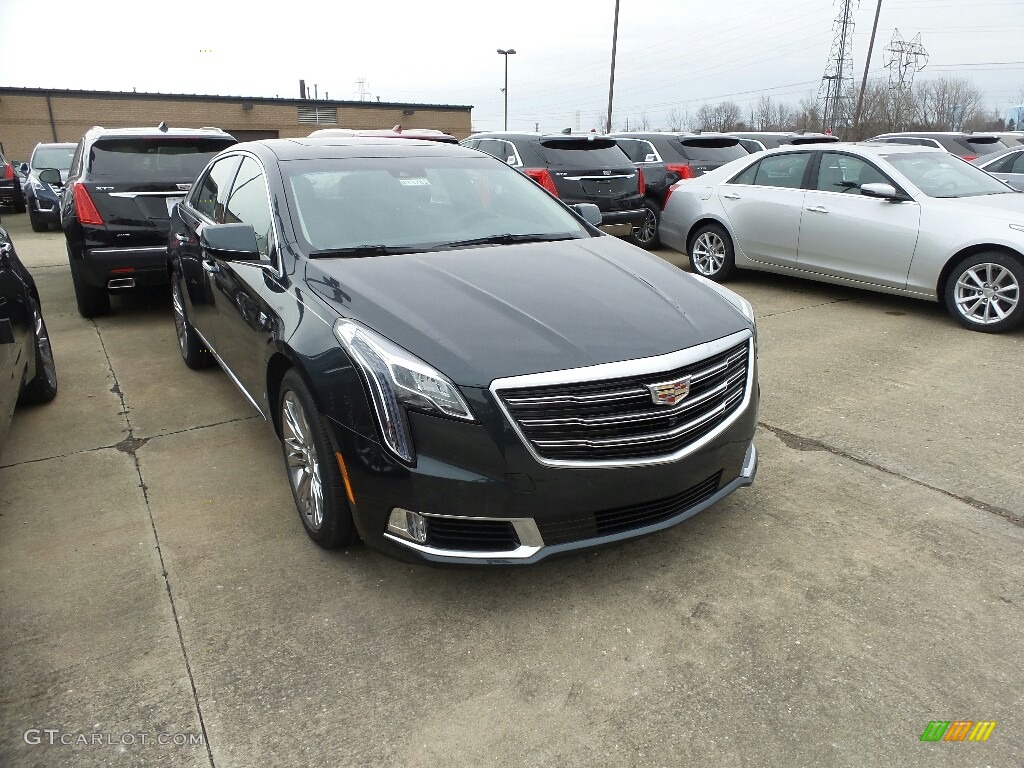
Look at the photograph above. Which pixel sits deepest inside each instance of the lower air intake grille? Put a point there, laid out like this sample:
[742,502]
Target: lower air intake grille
[471,535]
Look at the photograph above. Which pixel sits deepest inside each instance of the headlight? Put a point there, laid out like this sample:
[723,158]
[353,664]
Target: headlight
[36,185]
[399,380]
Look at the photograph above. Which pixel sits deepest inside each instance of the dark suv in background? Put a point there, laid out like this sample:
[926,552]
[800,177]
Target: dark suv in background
[664,159]
[116,206]
[969,146]
[758,141]
[41,198]
[11,193]
[576,168]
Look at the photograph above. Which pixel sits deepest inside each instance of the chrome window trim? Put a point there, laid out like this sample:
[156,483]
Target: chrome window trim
[515,151]
[627,368]
[599,178]
[182,193]
[231,375]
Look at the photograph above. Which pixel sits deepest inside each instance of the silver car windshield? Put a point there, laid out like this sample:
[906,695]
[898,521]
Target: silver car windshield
[938,174]
[419,203]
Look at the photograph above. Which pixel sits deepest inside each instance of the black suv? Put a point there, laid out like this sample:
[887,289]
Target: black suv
[664,159]
[576,168]
[11,193]
[117,202]
[758,141]
[969,146]
[42,199]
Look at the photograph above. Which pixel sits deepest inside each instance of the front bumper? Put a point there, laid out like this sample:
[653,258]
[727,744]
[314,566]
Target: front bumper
[46,210]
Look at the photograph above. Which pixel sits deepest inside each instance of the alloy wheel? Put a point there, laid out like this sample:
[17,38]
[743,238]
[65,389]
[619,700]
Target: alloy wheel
[986,293]
[303,463]
[43,345]
[179,314]
[648,229]
[708,253]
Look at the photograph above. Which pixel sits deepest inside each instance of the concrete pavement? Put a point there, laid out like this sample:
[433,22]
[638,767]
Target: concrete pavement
[155,579]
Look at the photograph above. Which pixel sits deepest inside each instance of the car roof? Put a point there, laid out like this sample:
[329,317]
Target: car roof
[863,147]
[98,131]
[754,134]
[672,134]
[966,134]
[389,133]
[331,147]
[55,144]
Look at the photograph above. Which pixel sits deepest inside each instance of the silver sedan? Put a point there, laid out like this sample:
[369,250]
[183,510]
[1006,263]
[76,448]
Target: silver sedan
[1007,165]
[899,219]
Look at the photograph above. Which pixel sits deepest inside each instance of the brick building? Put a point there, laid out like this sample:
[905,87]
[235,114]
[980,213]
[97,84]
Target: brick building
[32,115]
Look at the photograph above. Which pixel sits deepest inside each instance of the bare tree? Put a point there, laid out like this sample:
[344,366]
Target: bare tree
[946,104]
[678,119]
[643,123]
[808,115]
[719,117]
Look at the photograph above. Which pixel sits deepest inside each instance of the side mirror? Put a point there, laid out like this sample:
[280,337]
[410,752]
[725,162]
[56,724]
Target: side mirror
[882,192]
[590,213]
[231,242]
[24,168]
[50,176]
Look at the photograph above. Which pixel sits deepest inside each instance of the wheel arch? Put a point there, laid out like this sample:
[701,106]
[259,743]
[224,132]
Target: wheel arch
[971,250]
[702,221]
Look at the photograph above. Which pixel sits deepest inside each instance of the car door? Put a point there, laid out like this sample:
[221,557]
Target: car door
[845,234]
[204,205]
[243,317]
[764,204]
[15,333]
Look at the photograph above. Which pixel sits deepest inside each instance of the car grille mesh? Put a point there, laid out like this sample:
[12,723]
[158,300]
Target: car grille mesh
[616,419]
[619,519]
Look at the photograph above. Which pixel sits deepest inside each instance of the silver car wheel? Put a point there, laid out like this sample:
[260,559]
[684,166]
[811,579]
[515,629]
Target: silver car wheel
[986,293]
[645,232]
[708,253]
[179,314]
[303,465]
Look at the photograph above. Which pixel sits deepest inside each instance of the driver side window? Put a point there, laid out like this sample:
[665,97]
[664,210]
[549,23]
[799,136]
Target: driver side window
[845,174]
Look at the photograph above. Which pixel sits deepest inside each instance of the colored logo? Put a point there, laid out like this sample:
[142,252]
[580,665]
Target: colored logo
[670,392]
[958,730]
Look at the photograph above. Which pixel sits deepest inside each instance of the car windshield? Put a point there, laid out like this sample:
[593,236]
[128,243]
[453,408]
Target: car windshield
[371,205]
[939,174]
[154,158]
[53,157]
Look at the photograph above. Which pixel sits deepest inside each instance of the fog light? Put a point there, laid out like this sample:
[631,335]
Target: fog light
[408,525]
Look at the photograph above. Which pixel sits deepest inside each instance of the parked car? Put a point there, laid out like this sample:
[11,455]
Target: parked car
[460,367]
[11,193]
[27,371]
[1008,166]
[758,141]
[393,133]
[966,145]
[906,220]
[665,158]
[577,168]
[115,208]
[1012,139]
[42,199]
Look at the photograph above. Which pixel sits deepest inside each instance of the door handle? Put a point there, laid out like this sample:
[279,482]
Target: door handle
[730,196]
[211,267]
[182,239]
[816,209]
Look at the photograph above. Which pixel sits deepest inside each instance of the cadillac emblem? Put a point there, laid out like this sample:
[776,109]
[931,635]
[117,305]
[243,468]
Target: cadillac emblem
[670,392]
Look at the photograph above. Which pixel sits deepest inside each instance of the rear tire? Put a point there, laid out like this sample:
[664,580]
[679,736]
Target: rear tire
[983,292]
[646,235]
[312,468]
[712,254]
[193,351]
[92,302]
[43,386]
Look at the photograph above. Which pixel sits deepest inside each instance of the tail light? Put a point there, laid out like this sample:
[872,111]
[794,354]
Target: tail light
[684,171]
[85,209]
[543,177]
[9,171]
[642,182]
[968,158]
[669,193]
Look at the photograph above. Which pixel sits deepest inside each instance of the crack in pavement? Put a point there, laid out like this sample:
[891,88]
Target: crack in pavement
[800,443]
[122,446]
[130,445]
[801,309]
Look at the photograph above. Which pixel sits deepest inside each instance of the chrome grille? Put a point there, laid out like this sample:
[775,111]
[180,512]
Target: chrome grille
[616,419]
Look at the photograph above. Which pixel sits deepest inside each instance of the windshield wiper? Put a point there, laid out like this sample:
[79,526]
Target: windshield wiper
[378,249]
[508,239]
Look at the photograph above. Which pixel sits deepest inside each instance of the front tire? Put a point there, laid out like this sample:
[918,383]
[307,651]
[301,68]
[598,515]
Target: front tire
[193,351]
[712,254]
[313,471]
[646,235]
[43,386]
[983,292]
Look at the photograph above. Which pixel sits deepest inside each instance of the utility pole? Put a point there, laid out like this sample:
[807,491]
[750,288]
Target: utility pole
[864,80]
[611,78]
[506,54]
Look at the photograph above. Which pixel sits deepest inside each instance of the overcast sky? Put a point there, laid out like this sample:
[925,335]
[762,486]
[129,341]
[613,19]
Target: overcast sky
[671,53]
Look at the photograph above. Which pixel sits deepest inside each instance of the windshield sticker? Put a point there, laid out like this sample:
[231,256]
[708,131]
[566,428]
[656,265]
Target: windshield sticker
[414,182]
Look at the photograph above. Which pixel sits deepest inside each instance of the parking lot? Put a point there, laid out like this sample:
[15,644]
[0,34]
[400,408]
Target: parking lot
[155,580]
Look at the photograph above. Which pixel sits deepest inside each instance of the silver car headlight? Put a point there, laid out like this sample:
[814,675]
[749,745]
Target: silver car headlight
[398,380]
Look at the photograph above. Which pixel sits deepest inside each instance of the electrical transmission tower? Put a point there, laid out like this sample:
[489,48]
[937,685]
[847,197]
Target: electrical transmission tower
[903,60]
[362,90]
[836,91]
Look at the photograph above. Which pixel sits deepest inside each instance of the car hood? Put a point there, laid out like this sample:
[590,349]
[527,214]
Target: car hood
[484,313]
[1006,206]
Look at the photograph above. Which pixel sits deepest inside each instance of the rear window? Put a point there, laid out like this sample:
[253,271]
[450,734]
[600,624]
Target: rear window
[584,152]
[984,145]
[154,158]
[712,150]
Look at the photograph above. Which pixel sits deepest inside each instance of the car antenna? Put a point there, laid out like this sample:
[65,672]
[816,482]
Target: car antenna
[162,127]
[397,128]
